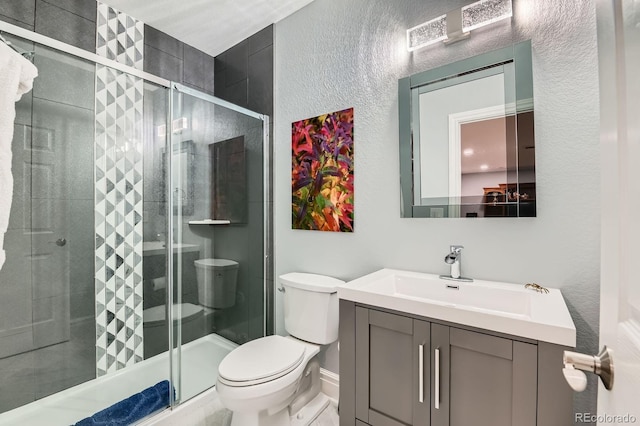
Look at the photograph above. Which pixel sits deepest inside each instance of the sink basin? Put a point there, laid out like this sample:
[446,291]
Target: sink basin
[501,307]
[475,296]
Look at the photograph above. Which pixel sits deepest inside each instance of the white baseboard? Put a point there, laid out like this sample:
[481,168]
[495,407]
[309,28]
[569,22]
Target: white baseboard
[330,384]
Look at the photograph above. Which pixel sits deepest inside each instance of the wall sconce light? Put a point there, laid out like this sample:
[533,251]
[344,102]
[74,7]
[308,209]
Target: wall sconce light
[456,25]
[428,33]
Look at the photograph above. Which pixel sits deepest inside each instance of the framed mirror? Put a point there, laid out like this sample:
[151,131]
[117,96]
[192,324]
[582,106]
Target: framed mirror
[467,146]
[229,180]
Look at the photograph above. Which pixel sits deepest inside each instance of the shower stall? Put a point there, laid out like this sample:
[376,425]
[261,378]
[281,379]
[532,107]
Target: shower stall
[137,245]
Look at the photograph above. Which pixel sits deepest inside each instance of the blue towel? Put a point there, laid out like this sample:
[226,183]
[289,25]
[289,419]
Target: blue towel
[132,409]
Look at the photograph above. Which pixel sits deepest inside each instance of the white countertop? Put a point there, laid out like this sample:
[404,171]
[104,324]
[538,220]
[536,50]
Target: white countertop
[501,307]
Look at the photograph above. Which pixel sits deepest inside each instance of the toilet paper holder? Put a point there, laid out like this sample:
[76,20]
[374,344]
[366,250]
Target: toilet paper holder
[575,363]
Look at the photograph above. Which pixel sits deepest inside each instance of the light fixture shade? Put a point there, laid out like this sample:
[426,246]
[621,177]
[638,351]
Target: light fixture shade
[428,33]
[485,12]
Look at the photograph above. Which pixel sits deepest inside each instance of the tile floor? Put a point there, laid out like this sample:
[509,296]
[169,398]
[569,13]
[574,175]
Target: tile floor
[207,410]
[329,417]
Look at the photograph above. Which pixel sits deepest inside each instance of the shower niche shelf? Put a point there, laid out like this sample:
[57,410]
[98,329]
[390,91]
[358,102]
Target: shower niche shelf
[210,222]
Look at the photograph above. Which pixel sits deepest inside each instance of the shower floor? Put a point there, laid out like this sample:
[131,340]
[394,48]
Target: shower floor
[199,362]
[33,375]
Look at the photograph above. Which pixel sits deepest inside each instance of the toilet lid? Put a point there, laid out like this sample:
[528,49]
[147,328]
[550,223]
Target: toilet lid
[311,282]
[260,361]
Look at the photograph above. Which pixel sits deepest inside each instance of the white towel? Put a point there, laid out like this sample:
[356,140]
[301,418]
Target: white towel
[16,78]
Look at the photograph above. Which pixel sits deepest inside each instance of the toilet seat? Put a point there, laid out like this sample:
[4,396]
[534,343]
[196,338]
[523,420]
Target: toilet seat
[260,361]
[156,315]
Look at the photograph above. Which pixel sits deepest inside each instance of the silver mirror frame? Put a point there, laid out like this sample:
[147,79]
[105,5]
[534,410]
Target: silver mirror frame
[519,53]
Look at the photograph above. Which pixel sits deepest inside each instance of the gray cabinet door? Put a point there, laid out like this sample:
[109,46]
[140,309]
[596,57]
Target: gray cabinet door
[483,379]
[388,367]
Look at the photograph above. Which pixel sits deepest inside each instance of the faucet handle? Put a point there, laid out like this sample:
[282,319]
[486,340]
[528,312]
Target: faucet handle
[456,248]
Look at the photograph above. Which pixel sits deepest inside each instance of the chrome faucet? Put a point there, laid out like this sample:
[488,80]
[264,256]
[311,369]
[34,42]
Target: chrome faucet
[454,259]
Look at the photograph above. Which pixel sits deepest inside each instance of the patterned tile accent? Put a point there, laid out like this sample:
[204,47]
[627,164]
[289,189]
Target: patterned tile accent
[119,37]
[118,194]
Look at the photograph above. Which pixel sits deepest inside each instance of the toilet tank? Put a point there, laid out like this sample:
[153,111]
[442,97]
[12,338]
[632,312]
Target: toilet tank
[311,306]
[217,281]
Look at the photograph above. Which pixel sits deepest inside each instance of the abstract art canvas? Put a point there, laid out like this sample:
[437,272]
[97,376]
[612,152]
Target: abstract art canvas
[322,172]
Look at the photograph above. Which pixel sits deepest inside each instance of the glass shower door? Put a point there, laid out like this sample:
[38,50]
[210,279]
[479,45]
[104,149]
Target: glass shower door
[218,225]
[68,312]
[47,325]
[91,277]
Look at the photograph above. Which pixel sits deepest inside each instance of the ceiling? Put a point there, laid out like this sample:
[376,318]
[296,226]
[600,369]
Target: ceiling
[212,26]
[484,143]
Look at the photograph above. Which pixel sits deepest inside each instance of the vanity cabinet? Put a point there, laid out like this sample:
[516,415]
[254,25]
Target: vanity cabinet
[482,379]
[409,370]
[392,363]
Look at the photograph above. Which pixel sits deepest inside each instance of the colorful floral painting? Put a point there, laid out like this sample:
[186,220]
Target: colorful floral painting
[322,172]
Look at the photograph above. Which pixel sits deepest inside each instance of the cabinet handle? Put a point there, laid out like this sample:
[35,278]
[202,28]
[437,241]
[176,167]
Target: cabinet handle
[436,386]
[421,373]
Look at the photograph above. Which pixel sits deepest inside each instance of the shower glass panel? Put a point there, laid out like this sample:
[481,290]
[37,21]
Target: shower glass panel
[135,205]
[47,319]
[78,279]
[218,226]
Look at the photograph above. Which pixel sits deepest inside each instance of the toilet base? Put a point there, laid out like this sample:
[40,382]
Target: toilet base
[303,417]
[311,411]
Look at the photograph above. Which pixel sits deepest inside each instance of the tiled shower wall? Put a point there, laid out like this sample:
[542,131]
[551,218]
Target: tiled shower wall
[118,193]
[70,21]
[244,76]
[74,22]
[174,60]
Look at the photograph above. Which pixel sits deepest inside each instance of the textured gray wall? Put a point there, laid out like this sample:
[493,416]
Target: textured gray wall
[333,55]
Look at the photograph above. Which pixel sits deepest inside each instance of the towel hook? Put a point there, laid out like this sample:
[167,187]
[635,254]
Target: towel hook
[27,54]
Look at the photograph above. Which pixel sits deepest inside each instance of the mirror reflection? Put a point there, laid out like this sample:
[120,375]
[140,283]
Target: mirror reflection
[183,179]
[467,148]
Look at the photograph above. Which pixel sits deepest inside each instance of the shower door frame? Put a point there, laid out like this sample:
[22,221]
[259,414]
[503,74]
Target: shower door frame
[180,88]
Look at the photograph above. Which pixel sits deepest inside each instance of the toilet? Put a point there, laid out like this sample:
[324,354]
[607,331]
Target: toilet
[155,326]
[275,380]
[217,280]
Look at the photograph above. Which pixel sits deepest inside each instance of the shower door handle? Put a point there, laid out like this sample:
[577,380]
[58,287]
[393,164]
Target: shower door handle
[60,242]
